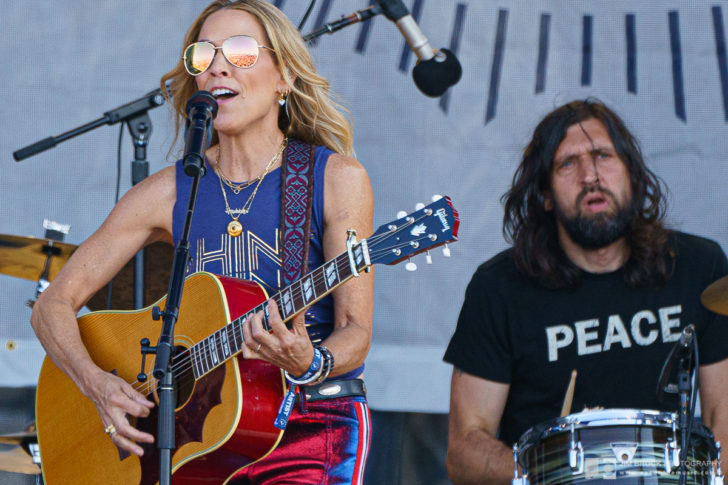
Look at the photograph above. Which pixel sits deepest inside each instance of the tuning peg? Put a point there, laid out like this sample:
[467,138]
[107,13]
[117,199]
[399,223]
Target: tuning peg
[446,251]
[419,206]
[436,197]
[410,266]
[428,257]
[401,214]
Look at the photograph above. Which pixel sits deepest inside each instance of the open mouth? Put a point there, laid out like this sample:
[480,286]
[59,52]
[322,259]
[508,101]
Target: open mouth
[595,202]
[223,93]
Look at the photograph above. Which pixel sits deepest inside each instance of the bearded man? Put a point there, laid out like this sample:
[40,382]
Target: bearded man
[593,282]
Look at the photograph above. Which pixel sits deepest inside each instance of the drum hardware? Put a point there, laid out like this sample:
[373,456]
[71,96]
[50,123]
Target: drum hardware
[54,232]
[672,456]
[624,452]
[516,479]
[576,453]
[718,480]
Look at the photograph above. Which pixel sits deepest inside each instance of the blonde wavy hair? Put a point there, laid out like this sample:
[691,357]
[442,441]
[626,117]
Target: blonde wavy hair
[314,117]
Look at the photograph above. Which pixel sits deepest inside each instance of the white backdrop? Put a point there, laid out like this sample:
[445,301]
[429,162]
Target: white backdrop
[68,62]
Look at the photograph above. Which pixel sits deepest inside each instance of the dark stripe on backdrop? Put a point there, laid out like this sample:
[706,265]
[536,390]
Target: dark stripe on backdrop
[543,51]
[720,53]
[457,32]
[495,70]
[677,69]
[631,34]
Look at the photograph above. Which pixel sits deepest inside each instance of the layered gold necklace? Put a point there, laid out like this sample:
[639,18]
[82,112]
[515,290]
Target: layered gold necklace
[235,228]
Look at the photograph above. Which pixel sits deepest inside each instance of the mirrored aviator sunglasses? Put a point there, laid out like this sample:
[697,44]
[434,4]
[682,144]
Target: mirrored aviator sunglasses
[240,50]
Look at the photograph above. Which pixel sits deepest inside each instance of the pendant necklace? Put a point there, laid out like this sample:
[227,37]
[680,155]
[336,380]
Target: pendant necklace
[234,227]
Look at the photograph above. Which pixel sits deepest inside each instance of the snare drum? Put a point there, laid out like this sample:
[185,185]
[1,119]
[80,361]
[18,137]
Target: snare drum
[639,447]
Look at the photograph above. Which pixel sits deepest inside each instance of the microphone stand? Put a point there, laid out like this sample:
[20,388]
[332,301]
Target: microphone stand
[684,355]
[331,27]
[164,350]
[194,166]
[685,412]
[134,115]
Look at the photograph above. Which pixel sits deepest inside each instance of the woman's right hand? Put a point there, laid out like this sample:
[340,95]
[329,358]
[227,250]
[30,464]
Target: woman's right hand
[116,400]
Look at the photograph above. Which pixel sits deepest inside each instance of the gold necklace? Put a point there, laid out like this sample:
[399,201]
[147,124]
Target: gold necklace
[235,228]
[236,188]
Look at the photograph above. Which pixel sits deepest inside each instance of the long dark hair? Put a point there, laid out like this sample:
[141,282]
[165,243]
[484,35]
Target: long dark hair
[532,229]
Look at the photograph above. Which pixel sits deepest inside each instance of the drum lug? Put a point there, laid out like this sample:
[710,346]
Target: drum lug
[672,456]
[576,454]
[516,479]
[717,479]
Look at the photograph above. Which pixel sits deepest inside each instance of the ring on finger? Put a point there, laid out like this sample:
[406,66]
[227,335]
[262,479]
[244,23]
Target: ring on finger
[110,429]
[258,348]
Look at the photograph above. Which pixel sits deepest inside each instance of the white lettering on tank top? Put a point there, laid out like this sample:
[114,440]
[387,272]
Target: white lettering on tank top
[643,330]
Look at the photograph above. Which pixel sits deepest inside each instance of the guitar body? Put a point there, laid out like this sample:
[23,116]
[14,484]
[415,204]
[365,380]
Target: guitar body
[223,421]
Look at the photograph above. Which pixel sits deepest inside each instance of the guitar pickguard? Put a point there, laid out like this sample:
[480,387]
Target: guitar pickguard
[189,422]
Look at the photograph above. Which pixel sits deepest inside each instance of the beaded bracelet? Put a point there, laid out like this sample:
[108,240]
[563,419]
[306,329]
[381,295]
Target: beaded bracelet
[313,372]
[328,364]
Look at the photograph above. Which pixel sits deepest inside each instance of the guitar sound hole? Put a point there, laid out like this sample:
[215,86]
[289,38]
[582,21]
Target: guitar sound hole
[184,380]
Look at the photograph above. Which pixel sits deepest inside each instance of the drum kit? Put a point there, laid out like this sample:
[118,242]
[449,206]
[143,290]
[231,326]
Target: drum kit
[628,446]
[40,260]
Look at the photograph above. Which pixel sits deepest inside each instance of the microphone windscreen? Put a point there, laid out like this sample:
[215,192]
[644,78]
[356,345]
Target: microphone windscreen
[435,75]
[201,100]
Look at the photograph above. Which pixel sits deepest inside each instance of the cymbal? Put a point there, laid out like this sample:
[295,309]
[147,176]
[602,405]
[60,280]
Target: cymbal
[25,257]
[715,296]
[157,269]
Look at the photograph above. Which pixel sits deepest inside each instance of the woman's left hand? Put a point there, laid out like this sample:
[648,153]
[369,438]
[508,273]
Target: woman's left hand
[291,350]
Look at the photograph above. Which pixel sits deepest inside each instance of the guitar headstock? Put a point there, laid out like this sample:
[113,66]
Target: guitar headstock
[422,230]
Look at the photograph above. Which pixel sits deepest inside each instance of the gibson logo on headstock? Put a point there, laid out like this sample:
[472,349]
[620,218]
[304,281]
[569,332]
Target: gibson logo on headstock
[443,219]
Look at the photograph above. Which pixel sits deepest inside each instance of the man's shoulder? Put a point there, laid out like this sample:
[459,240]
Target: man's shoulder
[497,270]
[501,262]
[686,243]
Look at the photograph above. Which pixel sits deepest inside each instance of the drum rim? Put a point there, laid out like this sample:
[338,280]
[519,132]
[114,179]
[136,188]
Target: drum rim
[602,418]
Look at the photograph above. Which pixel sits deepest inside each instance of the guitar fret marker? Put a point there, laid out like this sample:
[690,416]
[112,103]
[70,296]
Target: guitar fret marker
[330,275]
[225,345]
[308,289]
[213,348]
[287,303]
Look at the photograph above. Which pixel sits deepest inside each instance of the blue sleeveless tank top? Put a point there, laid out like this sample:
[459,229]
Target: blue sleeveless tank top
[255,255]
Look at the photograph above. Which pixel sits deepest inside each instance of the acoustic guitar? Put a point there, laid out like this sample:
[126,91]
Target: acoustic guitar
[225,405]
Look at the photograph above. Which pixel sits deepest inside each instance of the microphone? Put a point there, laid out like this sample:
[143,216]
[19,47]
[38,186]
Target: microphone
[201,109]
[435,70]
[683,349]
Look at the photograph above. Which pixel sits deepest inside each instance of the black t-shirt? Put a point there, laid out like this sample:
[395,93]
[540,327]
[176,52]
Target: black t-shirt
[511,330]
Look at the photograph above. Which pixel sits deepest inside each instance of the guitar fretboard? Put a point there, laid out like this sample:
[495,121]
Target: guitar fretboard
[212,351]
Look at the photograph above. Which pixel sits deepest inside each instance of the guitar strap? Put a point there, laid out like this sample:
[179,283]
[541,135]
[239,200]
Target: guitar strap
[296,209]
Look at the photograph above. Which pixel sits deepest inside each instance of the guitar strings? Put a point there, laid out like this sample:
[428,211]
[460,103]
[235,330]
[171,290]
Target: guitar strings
[183,364]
